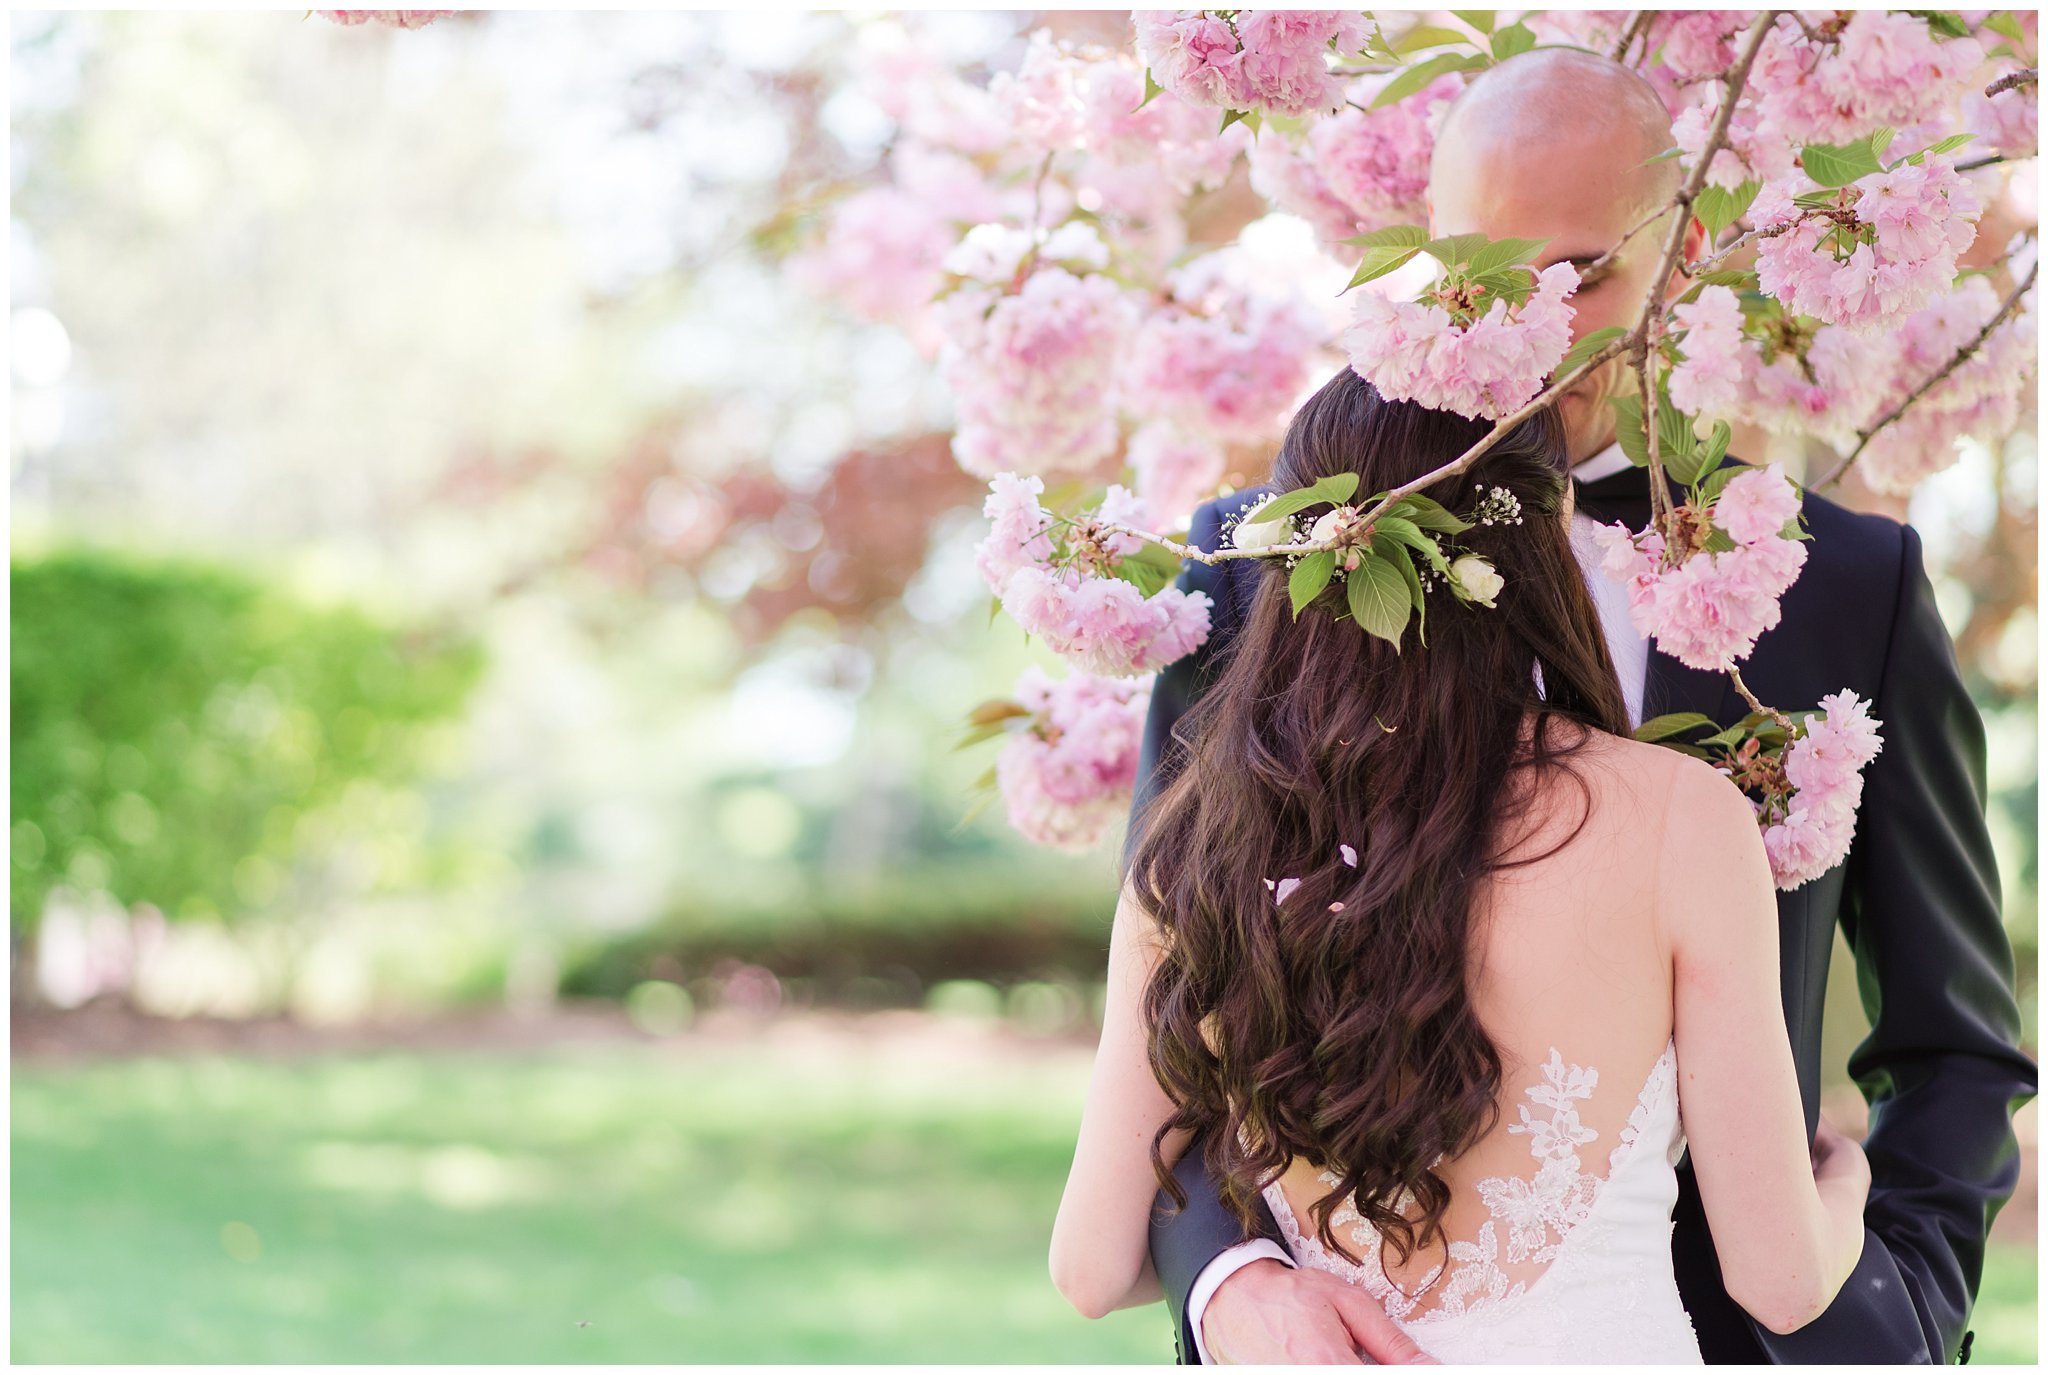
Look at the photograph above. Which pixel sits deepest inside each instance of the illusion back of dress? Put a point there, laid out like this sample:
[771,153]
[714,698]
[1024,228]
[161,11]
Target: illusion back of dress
[1557,1242]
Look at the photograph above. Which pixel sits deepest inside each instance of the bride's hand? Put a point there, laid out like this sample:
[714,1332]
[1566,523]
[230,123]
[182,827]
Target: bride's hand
[1267,1314]
[1836,1156]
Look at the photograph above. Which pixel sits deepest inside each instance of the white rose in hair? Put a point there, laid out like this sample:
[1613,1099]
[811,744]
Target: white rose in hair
[1264,534]
[1326,525]
[1477,578]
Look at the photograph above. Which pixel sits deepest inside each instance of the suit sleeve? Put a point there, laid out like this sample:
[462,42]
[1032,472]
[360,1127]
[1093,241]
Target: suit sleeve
[1941,1067]
[1185,1240]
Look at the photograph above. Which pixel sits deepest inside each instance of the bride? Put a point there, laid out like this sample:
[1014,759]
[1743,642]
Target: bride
[1447,968]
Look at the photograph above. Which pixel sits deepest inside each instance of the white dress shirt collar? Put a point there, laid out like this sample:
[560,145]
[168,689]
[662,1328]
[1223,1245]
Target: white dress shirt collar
[1606,463]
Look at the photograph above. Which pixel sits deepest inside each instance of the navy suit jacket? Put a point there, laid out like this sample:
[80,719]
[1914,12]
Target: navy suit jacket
[1917,899]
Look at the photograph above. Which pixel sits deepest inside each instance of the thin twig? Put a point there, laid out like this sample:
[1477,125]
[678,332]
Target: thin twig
[1750,236]
[1655,215]
[1635,28]
[1974,164]
[2025,76]
[1674,246]
[1735,675]
[1863,437]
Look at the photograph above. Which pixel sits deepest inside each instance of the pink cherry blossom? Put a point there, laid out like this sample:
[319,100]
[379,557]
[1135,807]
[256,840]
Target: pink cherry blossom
[1285,57]
[1825,767]
[1164,134]
[1709,378]
[1221,356]
[1019,529]
[1194,55]
[2008,124]
[1414,352]
[1067,778]
[1288,178]
[878,255]
[1757,505]
[398,19]
[1918,219]
[1033,374]
[1708,611]
[1106,626]
[1886,69]
[1177,471]
[1377,161]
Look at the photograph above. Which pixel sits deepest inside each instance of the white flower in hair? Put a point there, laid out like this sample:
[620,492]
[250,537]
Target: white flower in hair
[1251,533]
[1476,579]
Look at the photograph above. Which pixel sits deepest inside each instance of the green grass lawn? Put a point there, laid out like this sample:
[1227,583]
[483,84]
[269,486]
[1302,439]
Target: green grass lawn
[613,1203]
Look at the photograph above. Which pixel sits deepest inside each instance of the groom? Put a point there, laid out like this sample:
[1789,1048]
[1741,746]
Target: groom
[1555,144]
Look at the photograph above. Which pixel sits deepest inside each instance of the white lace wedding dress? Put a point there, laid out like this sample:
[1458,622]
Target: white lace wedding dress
[1606,1293]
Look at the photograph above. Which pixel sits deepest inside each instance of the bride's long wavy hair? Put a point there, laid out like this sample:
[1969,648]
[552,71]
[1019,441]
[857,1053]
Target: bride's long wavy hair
[1295,1030]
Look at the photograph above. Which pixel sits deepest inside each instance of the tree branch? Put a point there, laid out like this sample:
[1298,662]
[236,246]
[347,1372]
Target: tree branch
[1636,26]
[2025,76]
[1863,437]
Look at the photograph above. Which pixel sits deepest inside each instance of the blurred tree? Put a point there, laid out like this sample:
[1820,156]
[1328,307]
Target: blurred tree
[175,725]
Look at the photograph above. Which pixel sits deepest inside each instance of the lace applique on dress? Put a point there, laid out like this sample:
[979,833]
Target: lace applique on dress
[1538,1214]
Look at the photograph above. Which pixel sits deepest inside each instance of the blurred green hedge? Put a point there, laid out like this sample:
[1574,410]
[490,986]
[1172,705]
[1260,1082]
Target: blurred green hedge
[971,920]
[173,721]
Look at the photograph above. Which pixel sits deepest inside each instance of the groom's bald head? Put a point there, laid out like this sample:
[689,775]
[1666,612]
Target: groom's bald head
[1560,111]
[1559,145]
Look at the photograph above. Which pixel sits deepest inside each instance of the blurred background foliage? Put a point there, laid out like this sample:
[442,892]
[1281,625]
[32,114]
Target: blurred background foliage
[454,569]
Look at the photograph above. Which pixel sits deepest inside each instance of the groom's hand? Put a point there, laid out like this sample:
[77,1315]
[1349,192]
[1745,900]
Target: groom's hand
[1267,1314]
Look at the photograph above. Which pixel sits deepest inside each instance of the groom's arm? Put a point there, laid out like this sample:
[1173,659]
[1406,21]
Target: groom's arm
[1941,1066]
[1186,1240]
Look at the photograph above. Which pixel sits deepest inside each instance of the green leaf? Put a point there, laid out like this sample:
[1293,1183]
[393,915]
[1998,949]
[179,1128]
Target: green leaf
[1455,250]
[1393,236]
[1152,88]
[995,606]
[1406,532]
[1512,41]
[2003,22]
[1586,348]
[1628,428]
[1335,489]
[1405,564]
[1680,450]
[1665,156]
[1836,165]
[1481,20]
[1310,576]
[1505,253]
[1418,76]
[1378,597]
[1881,139]
[1718,207]
[1675,723]
[1935,150]
[1947,23]
[1231,117]
[1712,484]
[1146,574]
[1429,514]
[1385,250]
[1514,284]
[1428,36]
[1730,277]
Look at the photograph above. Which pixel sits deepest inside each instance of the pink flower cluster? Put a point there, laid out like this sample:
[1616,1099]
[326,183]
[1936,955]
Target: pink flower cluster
[1412,351]
[397,19]
[1886,69]
[1098,623]
[1709,378]
[1359,169]
[1981,399]
[1221,356]
[1273,60]
[1825,768]
[1176,471]
[1033,375]
[1919,220]
[2008,124]
[879,256]
[1067,777]
[1707,611]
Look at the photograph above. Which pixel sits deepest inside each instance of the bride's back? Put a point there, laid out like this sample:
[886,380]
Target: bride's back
[1571,977]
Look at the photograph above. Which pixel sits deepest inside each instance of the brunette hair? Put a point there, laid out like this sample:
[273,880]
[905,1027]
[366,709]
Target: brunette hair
[1291,1029]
